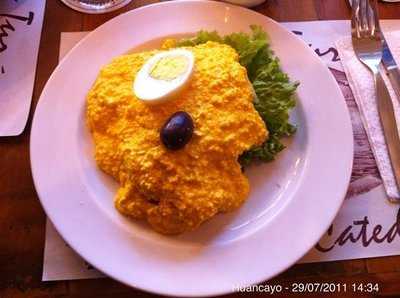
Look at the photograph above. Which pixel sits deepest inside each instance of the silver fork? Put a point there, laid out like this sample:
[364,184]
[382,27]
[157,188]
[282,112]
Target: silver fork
[366,35]
[368,45]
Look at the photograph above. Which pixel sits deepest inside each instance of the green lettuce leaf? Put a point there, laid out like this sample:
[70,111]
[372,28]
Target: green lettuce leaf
[275,92]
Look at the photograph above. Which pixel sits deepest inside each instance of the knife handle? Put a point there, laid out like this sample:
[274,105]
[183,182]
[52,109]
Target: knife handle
[389,125]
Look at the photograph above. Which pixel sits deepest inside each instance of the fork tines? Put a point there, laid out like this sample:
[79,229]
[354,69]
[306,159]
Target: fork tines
[364,21]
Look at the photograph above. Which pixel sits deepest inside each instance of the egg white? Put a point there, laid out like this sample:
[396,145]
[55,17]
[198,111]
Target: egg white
[152,90]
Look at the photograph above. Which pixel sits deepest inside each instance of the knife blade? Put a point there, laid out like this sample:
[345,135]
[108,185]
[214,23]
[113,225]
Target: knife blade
[389,125]
[391,68]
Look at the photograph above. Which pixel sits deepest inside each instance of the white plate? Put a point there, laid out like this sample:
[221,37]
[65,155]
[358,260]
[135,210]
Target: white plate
[293,200]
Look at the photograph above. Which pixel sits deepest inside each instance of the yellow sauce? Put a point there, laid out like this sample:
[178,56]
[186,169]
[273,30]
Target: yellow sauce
[175,191]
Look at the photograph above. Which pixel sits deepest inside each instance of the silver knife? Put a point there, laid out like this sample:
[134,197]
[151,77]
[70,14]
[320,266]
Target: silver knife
[389,125]
[385,104]
[391,68]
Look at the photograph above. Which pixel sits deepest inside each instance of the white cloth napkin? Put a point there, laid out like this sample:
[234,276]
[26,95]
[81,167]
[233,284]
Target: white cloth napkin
[362,84]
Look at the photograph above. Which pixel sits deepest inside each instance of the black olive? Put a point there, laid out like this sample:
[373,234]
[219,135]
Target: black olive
[154,201]
[177,131]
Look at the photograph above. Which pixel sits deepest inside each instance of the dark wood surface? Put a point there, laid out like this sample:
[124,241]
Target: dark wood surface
[22,220]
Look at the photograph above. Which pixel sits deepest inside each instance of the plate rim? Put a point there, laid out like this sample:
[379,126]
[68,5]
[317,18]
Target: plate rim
[35,121]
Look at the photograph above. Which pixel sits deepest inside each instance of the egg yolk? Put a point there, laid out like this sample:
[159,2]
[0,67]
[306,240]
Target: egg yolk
[169,68]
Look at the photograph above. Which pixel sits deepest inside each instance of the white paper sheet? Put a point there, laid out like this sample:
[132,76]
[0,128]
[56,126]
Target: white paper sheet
[366,225]
[20,29]
[61,262]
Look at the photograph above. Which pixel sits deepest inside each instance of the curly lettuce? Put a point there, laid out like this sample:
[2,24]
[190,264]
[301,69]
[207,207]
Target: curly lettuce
[275,92]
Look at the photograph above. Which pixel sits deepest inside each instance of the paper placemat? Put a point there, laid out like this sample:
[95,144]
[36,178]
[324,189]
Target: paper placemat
[20,29]
[367,224]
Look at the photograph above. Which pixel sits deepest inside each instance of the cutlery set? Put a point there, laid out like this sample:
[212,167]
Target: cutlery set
[372,50]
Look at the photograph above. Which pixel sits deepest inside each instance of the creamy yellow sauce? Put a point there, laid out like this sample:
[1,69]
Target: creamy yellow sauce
[175,191]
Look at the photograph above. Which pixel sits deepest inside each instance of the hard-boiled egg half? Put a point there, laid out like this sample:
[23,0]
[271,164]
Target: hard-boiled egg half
[163,75]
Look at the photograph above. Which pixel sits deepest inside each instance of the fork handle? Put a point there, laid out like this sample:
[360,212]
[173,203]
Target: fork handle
[389,125]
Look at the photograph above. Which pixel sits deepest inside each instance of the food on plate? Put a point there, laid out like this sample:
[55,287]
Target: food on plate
[177,131]
[175,126]
[164,75]
[274,91]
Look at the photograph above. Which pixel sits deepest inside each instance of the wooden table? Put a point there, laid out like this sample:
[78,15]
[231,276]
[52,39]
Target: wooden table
[22,220]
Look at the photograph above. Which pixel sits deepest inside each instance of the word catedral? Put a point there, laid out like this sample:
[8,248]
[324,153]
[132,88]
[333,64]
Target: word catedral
[358,232]
[7,26]
[330,50]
